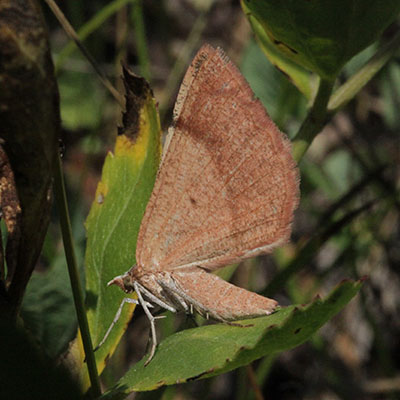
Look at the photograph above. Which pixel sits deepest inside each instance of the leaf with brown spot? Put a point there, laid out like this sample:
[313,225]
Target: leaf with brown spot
[214,349]
[113,223]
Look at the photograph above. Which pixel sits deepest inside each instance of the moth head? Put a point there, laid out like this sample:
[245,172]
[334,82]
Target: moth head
[123,281]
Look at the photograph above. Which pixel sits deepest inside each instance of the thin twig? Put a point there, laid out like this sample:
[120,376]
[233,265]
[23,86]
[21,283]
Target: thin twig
[73,35]
[382,385]
[308,249]
[350,88]
[89,27]
[182,60]
[253,382]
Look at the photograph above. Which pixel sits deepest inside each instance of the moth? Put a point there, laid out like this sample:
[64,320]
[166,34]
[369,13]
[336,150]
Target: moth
[226,190]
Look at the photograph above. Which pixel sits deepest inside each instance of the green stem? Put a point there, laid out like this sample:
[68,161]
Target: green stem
[314,121]
[349,89]
[74,36]
[140,35]
[89,27]
[61,200]
[326,105]
[182,60]
[308,250]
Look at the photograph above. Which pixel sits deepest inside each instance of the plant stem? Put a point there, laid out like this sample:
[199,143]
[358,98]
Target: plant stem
[61,200]
[326,105]
[182,60]
[74,36]
[314,121]
[89,27]
[140,35]
[308,249]
[350,88]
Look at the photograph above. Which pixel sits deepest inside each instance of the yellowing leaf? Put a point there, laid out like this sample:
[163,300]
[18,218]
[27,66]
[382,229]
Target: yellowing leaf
[322,35]
[114,220]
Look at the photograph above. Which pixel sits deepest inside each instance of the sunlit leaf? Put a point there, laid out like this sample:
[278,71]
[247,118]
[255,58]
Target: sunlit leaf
[214,349]
[113,223]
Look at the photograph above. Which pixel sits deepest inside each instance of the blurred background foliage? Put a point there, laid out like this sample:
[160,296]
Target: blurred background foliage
[347,224]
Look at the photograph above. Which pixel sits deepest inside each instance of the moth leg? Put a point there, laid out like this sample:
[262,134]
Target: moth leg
[138,289]
[175,295]
[116,318]
[190,315]
[172,288]
[181,301]
[155,299]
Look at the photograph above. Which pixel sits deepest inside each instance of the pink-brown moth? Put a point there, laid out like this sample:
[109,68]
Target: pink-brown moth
[226,190]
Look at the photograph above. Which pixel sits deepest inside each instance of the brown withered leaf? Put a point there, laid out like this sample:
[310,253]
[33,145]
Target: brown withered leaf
[138,91]
[29,114]
[10,212]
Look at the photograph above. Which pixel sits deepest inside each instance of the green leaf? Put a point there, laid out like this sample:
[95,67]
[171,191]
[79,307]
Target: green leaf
[334,176]
[87,112]
[48,309]
[341,171]
[299,76]
[322,35]
[214,349]
[113,223]
[26,373]
[284,103]
[390,86]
